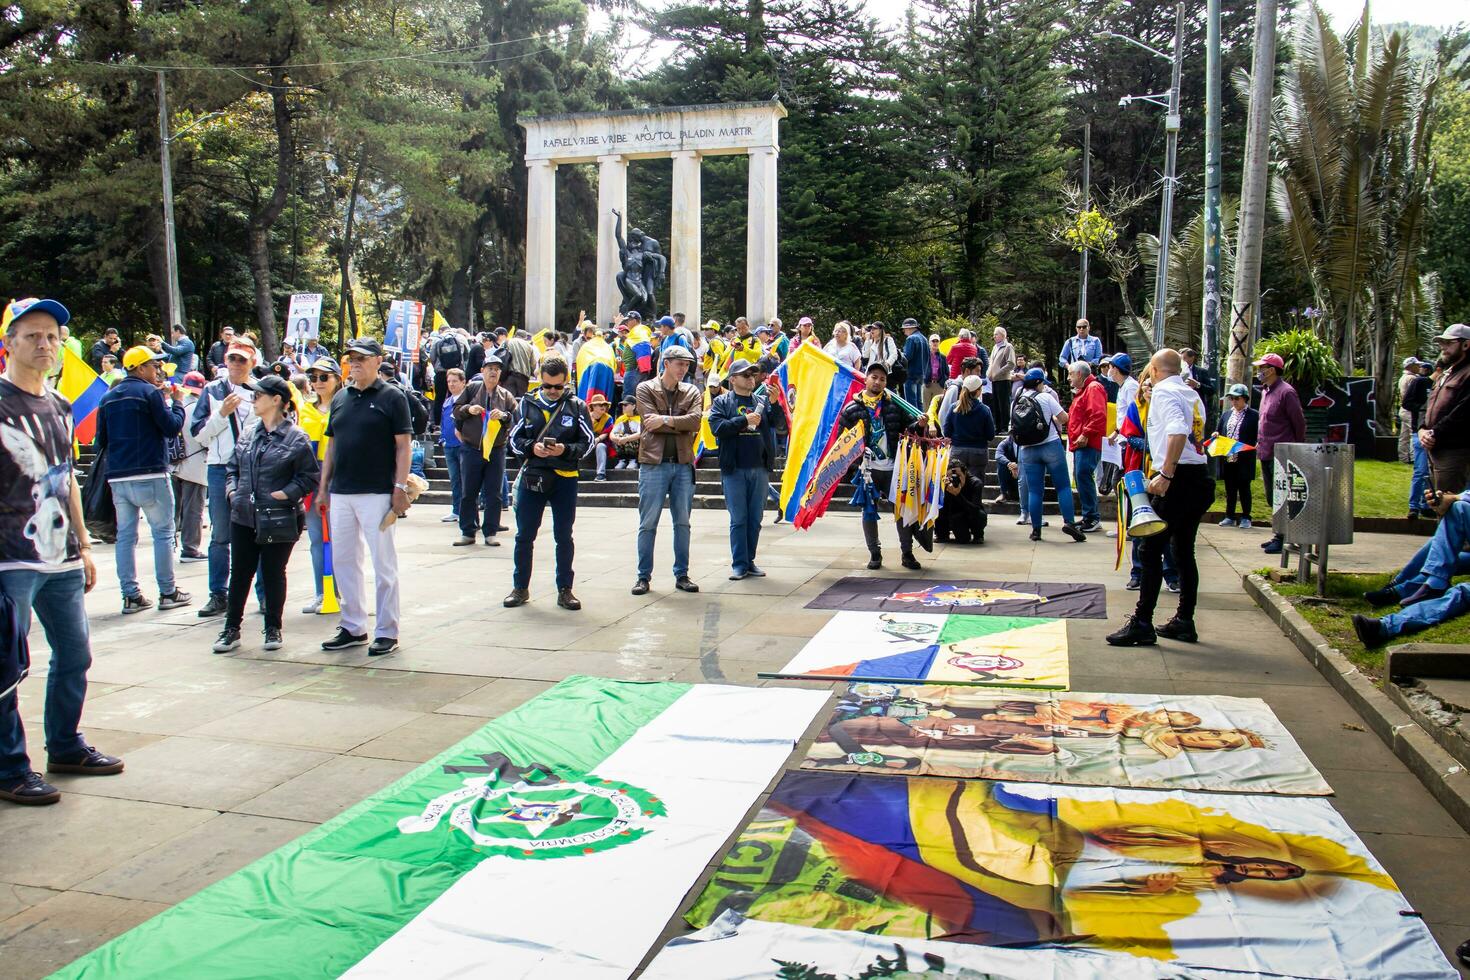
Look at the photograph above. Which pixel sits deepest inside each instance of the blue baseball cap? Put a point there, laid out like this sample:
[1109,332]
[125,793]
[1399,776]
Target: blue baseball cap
[665,321]
[1035,374]
[21,307]
[1123,363]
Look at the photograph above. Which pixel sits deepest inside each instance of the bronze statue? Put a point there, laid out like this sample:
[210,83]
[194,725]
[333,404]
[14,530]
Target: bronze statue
[644,267]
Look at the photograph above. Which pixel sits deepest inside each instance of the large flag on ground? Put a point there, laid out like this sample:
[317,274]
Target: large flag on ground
[970,597]
[595,374]
[812,389]
[1137,741]
[1271,885]
[1000,651]
[81,386]
[554,842]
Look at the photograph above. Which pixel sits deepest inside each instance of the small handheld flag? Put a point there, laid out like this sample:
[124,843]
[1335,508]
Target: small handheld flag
[81,386]
[1226,446]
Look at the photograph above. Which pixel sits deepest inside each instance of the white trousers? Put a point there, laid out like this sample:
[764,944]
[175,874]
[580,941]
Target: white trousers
[353,518]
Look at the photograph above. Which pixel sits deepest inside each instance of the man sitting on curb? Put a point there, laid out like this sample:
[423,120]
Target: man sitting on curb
[1423,588]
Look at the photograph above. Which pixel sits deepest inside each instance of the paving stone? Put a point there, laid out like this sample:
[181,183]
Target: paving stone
[57,846]
[199,771]
[313,725]
[393,688]
[15,899]
[421,739]
[171,872]
[320,794]
[495,698]
[159,712]
[45,938]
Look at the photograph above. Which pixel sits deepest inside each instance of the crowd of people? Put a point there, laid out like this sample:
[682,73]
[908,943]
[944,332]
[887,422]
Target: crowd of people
[326,446]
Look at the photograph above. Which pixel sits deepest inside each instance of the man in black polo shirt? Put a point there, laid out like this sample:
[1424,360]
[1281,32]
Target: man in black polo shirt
[365,475]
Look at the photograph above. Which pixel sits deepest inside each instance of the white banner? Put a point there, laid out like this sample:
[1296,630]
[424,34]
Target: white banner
[303,318]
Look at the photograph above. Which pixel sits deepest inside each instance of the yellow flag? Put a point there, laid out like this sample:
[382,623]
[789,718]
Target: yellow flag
[487,442]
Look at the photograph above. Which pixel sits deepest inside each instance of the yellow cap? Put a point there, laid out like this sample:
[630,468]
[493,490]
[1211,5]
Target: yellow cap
[140,355]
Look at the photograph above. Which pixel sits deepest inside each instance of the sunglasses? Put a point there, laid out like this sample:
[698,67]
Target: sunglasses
[316,376]
[547,387]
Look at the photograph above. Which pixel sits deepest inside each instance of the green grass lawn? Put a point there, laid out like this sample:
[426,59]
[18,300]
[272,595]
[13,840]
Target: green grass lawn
[1333,616]
[1379,490]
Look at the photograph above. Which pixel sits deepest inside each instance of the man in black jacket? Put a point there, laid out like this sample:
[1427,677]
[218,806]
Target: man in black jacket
[743,425]
[551,435]
[885,421]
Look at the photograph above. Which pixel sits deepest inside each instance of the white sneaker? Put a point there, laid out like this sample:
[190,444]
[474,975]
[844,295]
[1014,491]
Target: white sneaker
[313,608]
[1245,524]
[1227,522]
[449,519]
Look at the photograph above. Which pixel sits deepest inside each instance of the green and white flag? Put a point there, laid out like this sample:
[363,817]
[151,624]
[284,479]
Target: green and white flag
[555,842]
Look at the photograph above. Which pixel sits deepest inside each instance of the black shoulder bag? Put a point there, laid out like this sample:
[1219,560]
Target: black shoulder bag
[276,521]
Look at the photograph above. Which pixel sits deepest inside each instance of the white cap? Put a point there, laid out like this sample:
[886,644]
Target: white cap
[1455,331]
[973,383]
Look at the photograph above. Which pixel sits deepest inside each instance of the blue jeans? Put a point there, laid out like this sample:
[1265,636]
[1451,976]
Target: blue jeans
[1420,480]
[318,549]
[152,498]
[1439,560]
[451,460]
[561,497]
[1431,612]
[1408,580]
[913,391]
[674,482]
[1037,462]
[1171,573]
[745,498]
[219,532]
[1084,469]
[57,600]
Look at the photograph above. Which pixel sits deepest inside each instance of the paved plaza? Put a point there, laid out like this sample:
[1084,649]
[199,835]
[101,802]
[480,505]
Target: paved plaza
[228,757]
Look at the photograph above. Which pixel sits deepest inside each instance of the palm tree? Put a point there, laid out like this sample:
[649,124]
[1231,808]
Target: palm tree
[1352,132]
[1186,293]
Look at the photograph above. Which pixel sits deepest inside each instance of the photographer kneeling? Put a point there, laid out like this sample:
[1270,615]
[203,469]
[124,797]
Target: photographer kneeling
[272,469]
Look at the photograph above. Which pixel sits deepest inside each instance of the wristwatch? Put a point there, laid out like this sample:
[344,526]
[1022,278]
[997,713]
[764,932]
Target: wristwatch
[401,486]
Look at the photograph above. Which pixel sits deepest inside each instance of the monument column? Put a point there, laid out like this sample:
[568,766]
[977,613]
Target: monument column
[612,192]
[760,237]
[686,246]
[540,245]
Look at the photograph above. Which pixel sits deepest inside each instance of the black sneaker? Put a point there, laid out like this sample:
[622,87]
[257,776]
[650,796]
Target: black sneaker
[1178,629]
[344,639]
[88,762]
[192,556]
[640,587]
[216,606]
[1074,532]
[135,604]
[178,597]
[229,639]
[910,562]
[273,639]
[382,646]
[1035,535]
[1388,596]
[1133,584]
[686,584]
[1370,631]
[1090,527]
[1135,633]
[567,600]
[875,561]
[29,790]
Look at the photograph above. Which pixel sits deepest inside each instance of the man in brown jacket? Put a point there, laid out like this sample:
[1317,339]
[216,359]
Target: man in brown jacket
[671,411]
[1443,431]
[482,402]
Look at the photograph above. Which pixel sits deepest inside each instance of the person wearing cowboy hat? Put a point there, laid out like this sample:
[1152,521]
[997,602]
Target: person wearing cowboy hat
[626,432]
[135,424]
[602,447]
[916,353]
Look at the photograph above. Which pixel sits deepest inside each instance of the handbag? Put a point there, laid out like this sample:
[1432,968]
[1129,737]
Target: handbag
[276,525]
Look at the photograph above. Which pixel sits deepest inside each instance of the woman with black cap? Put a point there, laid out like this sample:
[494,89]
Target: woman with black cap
[272,469]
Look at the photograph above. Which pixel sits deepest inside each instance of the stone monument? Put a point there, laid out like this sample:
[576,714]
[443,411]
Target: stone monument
[643,272]
[611,140]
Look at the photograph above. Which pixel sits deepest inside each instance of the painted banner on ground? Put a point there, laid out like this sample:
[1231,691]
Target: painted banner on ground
[1265,884]
[554,842]
[736,948]
[1143,741]
[1046,600]
[1002,651]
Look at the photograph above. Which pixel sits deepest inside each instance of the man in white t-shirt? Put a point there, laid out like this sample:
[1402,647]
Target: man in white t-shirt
[1181,490]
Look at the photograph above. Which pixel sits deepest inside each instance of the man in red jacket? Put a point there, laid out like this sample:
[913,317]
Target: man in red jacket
[1087,424]
[963,347]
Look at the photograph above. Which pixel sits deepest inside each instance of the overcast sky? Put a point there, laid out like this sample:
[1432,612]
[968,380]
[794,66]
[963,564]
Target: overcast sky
[1437,13]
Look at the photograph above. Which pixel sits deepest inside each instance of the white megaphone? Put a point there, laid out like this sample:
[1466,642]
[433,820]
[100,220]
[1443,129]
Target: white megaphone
[1143,520]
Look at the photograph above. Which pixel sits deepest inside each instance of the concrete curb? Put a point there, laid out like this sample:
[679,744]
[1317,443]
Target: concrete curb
[1447,780]
[1366,525]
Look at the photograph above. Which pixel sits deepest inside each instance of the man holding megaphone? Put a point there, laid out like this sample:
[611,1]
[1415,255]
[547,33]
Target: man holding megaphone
[1180,489]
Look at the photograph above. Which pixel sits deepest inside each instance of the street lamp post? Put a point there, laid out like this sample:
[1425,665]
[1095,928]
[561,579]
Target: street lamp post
[1171,149]
[165,166]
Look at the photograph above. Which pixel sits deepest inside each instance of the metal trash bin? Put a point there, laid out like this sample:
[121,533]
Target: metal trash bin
[1312,502]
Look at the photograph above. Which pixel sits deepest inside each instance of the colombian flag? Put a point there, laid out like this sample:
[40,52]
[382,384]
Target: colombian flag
[811,389]
[595,371]
[706,443]
[81,386]
[642,343]
[1224,446]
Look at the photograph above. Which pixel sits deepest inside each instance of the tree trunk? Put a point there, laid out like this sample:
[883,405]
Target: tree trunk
[1244,303]
[260,223]
[347,307]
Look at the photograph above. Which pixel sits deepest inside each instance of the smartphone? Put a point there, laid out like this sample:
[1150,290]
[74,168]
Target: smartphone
[548,441]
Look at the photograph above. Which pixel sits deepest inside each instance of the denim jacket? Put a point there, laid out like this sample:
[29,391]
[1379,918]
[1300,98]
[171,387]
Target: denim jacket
[134,425]
[266,460]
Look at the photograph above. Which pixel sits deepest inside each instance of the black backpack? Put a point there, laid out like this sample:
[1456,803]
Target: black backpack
[1029,425]
[448,354]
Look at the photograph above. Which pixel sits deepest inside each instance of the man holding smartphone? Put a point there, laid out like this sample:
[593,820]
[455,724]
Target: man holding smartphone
[552,434]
